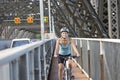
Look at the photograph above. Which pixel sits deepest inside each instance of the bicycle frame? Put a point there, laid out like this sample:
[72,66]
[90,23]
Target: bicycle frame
[67,69]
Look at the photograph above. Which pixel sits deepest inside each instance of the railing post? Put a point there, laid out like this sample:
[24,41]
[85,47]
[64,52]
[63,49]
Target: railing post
[39,61]
[27,66]
[5,72]
[101,60]
[89,69]
[44,52]
[102,67]
[81,54]
[51,42]
[14,70]
[32,65]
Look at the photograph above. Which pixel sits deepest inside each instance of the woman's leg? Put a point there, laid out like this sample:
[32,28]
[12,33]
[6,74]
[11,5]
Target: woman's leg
[60,71]
[70,63]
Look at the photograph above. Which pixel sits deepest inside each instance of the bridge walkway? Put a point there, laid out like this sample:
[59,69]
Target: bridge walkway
[76,72]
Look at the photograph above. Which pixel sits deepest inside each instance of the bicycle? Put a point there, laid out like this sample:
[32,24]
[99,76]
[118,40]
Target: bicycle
[67,69]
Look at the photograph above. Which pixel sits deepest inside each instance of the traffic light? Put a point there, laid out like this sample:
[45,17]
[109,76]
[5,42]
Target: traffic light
[30,19]
[17,20]
[46,19]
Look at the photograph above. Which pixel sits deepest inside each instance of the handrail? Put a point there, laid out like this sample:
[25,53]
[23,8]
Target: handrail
[100,39]
[12,53]
[26,61]
[98,56]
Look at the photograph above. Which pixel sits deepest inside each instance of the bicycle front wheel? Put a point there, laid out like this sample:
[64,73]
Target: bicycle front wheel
[67,74]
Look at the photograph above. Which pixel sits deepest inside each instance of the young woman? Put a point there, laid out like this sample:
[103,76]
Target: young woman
[63,49]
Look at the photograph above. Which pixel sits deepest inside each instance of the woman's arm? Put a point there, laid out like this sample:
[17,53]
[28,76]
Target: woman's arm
[56,48]
[74,47]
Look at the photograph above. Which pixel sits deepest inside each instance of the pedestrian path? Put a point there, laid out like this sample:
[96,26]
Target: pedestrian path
[78,74]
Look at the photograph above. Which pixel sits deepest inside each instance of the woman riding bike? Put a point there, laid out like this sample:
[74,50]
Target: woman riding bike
[63,49]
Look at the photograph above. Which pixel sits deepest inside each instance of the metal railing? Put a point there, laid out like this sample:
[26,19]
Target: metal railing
[28,62]
[99,58]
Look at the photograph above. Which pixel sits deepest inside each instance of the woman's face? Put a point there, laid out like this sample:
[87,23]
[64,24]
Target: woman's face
[64,34]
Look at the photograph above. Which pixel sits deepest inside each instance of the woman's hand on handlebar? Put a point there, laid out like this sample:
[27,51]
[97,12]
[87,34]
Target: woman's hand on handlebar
[78,55]
[55,55]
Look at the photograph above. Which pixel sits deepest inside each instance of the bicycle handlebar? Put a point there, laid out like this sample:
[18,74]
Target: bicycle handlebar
[74,56]
[70,57]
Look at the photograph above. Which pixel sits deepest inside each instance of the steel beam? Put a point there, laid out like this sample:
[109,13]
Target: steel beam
[113,18]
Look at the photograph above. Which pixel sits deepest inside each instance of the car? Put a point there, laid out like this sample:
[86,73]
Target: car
[20,42]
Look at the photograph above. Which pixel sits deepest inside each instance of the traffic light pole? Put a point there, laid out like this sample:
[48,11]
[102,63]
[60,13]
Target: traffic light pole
[41,19]
[49,18]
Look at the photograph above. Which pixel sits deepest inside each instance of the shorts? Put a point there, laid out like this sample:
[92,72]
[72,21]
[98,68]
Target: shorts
[61,58]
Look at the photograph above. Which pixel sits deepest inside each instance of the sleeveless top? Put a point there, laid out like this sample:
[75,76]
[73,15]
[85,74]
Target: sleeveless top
[65,49]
